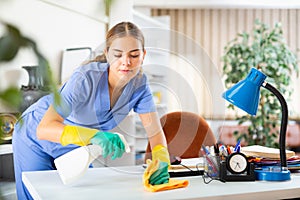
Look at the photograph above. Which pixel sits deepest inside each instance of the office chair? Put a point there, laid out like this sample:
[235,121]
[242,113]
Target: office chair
[185,133]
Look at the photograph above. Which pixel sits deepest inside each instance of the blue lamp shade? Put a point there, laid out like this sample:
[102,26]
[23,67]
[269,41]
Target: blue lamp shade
[245,94]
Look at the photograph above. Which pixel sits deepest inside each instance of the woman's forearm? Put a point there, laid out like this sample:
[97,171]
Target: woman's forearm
[153,128]
[157,139]
[51,126]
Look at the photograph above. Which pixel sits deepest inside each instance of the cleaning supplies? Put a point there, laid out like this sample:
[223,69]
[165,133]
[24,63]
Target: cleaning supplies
[73,165]
[153,166]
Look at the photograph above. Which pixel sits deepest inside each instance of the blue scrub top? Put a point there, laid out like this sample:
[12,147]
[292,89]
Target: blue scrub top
[85,102]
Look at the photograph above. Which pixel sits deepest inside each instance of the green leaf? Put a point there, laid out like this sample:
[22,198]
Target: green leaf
[11,97]
[9,48]
[10,43]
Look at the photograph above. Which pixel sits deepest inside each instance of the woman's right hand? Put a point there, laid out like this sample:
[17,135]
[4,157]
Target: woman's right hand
[110,143]
[161,175]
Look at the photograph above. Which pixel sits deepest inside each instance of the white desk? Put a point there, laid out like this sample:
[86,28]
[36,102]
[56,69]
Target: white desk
[126,183]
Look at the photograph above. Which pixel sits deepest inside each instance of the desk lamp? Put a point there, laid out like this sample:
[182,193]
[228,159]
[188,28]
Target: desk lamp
[245,95]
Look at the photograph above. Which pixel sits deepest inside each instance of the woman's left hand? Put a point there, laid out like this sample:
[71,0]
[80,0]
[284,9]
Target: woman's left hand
[110,143]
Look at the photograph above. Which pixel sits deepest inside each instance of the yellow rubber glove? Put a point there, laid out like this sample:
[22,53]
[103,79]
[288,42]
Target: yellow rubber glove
[77,135]
[161,153]
[110,143]
[153,166]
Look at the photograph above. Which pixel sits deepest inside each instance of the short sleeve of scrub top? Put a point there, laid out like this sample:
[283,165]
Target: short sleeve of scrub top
[72,93]
[145,103]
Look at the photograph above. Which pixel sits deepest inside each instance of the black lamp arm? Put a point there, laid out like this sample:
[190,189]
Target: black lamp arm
[284,122]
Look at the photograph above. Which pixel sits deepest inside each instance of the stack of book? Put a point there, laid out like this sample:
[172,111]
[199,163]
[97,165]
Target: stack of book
[266,156]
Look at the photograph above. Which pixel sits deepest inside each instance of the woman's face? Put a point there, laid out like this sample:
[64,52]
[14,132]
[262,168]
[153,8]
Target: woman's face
[125,56]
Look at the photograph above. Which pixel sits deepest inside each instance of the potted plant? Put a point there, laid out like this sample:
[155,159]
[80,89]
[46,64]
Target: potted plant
[265,49]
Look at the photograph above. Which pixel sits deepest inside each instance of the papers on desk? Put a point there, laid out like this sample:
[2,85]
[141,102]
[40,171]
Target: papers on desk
[187,167]
[265,156]
[189,162]
[265,152]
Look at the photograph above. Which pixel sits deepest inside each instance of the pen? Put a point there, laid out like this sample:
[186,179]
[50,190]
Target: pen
[217,150]
[223,151]
[208,159]
[205,150]
[217,154]
[237,146]
[228,150]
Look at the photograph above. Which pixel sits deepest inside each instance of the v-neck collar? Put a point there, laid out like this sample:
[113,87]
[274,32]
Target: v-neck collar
[104,100]
[124,96]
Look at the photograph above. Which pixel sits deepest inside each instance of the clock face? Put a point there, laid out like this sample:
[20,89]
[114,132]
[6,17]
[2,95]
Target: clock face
[237,163]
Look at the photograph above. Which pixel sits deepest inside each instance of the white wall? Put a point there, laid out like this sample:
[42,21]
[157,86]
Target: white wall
[54,27]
